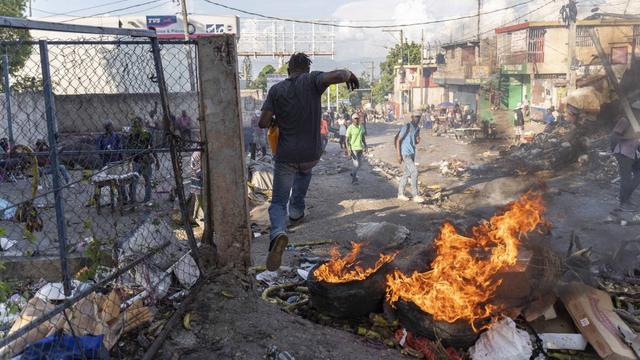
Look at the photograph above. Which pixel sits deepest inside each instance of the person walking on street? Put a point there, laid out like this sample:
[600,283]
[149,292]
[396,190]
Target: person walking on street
[343,133]
[324,131]
[296,104]
[406,140]
[356,145]
[518,123]
[143,159]
[626,150]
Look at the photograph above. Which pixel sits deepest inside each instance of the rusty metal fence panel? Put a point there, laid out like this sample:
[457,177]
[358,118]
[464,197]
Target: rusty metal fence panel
[99,192]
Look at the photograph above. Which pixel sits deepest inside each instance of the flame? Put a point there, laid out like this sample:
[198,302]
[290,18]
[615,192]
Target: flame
[462,276]
[345,269]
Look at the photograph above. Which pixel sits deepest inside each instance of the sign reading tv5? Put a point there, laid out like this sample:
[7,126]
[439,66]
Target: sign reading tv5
[170,26]
[165,25]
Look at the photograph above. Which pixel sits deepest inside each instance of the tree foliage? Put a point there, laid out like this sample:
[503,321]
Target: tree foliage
[18,54]
[412,56]
[261,80]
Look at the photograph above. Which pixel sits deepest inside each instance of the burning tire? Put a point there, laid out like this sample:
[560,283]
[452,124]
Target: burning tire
[351,299]
[458,334]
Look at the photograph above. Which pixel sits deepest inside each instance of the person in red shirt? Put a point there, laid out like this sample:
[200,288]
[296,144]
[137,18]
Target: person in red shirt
[324,131]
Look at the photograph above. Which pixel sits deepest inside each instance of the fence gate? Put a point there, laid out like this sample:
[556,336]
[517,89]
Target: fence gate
[99,187]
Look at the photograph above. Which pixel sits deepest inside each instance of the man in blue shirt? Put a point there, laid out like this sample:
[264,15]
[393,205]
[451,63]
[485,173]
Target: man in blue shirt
[296,104]
[406,141]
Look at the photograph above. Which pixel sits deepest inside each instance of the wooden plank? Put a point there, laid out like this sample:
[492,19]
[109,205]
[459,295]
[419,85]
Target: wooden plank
[224,160]
[19,23]
[613,81]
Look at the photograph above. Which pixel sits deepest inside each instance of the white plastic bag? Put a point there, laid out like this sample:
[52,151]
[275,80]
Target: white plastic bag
[503,341]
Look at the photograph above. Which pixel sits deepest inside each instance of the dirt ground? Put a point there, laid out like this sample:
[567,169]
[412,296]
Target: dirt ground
[242,326]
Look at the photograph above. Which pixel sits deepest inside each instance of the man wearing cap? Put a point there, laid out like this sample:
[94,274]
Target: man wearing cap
[356,145]
[406,141]
[518,123]
[624,145]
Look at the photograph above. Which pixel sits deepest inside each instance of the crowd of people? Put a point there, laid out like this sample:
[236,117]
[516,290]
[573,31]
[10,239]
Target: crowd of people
[134,146]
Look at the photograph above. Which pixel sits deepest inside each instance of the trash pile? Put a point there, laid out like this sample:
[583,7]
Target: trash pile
[452,168]
[593,312]
[104,306]
[546,151]
[260,184]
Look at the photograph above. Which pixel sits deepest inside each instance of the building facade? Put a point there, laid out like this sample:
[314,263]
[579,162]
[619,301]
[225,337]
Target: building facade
[533,58]
[414,88]
[462,68]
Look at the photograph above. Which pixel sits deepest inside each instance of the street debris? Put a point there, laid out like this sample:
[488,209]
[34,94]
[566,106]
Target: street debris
[452,168]
[593,314]
[501,342]
[553,341]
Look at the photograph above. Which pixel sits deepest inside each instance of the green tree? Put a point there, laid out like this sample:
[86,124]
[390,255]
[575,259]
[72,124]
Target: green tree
[261,80]
[18,54]
[283,70]
[412,56]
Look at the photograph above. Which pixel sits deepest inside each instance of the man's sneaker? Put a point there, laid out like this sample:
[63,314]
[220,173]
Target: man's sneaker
[403,198]
[628,206]
[276,248]
[418,199]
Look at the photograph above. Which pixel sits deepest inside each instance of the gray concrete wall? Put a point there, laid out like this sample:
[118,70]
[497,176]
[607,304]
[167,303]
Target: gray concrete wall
[86,113]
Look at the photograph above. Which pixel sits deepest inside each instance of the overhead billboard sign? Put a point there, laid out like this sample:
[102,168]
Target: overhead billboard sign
[165,26]
[170,26]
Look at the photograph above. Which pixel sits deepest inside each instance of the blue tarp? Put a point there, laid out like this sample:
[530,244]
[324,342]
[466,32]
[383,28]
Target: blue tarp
[66,347]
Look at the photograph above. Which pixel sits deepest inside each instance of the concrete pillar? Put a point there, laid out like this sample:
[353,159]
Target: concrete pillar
[223,158]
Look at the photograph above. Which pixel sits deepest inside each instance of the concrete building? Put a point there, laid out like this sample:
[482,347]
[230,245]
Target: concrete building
[414,88]
[462,68]
[533,58]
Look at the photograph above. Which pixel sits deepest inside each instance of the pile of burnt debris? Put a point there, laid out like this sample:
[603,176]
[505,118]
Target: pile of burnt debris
[494,291]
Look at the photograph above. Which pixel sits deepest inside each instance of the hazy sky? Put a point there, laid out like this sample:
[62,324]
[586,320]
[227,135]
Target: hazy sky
[353,45]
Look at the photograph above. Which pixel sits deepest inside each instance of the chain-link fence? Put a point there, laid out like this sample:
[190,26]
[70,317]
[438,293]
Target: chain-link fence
[100,183]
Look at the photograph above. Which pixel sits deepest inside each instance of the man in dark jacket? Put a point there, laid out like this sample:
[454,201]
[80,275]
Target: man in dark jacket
[518,123]
[296,104]
[625,147]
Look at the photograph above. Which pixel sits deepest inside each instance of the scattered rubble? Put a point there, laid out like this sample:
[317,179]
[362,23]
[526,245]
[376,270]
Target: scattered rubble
[502,341]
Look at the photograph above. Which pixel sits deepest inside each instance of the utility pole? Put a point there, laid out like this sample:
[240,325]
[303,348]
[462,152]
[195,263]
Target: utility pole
[634,43]
[401,63]
[337,97]
[570,18]
[185,28]
[479,7]
[370,79]
[478,34]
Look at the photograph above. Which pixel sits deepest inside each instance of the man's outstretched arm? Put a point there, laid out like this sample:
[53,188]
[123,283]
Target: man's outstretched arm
[265,119]
[341,76]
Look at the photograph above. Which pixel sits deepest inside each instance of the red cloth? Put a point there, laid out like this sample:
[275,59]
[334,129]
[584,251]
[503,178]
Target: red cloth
[424,346]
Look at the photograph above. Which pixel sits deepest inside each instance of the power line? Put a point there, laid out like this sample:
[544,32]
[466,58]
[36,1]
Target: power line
[361,26]
[111,11]
[72,12]
[512,21]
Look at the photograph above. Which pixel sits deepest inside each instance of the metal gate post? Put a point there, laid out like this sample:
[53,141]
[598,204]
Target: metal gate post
[55,164]
[7,94]
[176,160]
